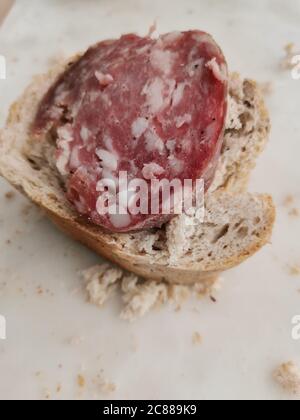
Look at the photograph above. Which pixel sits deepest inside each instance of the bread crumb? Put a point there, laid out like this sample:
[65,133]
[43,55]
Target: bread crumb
[288,377]
[108,387]
[197,338]
[286,62]
[267,88]
[294,270]
[101,282]
[140,296]
[294,212]
[39,290]
[288,200]
[179,295]
[102,386]
[10,195]
[208,288]
[81,381]
[58,388]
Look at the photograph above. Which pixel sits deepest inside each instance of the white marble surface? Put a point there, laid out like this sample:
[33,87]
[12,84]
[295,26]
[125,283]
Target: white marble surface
[248,331]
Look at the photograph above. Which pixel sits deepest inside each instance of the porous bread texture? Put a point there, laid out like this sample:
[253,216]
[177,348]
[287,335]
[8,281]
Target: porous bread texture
[27,163]
[232,223]
[246,133]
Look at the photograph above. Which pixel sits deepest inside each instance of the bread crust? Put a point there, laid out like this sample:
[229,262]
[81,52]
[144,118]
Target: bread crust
[141,266]
[44,190]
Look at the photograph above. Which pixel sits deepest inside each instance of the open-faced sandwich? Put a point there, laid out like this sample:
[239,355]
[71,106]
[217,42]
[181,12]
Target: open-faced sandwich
[98,139]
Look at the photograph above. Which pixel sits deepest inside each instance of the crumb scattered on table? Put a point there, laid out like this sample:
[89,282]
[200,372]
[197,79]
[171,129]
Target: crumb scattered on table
[101,282]
[290,52]
[10,195]
[294,270]
[294,212]
[289,203]
[208,288]
[108,387]
[197,338]
[139,295]
[288,200]
[267,88]
[39,290]
[81,381]
[288,377]
[179,295]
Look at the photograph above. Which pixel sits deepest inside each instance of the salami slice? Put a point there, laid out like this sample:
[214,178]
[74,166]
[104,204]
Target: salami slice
[151,108]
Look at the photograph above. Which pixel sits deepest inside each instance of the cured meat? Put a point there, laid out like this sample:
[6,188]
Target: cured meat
[153,108]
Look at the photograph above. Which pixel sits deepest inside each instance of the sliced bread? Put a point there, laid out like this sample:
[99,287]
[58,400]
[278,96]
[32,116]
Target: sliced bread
[237,224]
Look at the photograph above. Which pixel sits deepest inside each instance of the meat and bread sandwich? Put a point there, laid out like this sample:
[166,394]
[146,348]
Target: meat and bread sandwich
[96,141]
